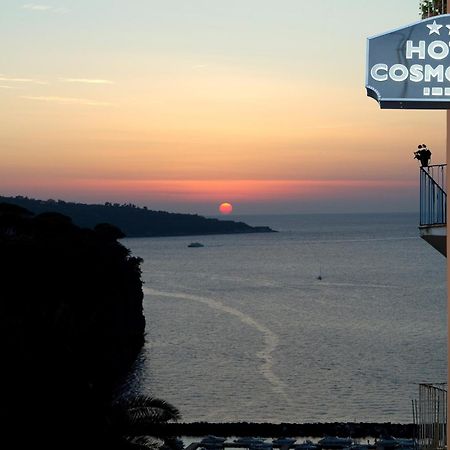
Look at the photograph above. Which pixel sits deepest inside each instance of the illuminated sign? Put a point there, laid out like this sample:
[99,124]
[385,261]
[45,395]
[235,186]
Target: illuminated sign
[410,67]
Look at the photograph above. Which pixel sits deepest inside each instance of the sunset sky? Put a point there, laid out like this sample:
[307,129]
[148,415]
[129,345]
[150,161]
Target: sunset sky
[184,104]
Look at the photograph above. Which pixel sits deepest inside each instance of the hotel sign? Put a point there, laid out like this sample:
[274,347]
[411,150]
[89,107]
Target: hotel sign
[410,67]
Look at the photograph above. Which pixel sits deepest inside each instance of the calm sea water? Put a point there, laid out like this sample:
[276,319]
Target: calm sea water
[242,329]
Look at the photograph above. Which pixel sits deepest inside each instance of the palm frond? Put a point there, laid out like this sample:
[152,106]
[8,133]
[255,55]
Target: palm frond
[144,409]
[142,443]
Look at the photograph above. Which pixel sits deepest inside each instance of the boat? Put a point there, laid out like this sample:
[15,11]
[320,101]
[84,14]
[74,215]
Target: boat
[212,440]
[335,442]
[406,443]
[261,446]
[359,447]
[284,441]
[249,441]
[319,277]
[195,245]
[386,442]
[306,445]
[391,442]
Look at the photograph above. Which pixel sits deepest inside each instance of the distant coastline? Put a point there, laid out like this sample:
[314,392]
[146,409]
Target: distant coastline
[135,221]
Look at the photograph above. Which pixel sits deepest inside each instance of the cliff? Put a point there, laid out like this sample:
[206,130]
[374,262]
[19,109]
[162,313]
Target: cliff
[71,326]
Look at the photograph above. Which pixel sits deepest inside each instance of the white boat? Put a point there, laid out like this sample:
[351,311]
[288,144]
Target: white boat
[335,442]
[284,441]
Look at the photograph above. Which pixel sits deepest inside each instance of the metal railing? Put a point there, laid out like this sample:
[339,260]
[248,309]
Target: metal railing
[433,195]
[430,416]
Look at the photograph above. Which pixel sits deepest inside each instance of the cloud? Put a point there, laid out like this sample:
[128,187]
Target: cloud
[87,80]
[66,100]
[39,7]
[35,7]
[21,80]
[7,87]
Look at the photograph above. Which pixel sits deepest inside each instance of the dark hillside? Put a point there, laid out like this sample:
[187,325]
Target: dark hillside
[135,221]
[71,327]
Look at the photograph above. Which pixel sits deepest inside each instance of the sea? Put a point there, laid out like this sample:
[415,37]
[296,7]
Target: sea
[244,329]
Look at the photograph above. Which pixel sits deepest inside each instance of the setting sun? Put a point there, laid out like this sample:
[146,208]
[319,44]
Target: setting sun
[226,208]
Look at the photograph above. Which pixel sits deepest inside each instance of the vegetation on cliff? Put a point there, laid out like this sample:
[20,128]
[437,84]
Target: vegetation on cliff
[71,327]
[135,221]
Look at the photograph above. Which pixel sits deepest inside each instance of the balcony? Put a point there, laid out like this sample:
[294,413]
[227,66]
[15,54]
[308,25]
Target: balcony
[430,416]
[433,206]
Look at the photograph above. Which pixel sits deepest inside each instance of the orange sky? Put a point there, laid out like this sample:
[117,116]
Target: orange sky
[177,107]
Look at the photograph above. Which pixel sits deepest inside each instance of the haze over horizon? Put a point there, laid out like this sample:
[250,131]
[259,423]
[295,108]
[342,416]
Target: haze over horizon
[181,105]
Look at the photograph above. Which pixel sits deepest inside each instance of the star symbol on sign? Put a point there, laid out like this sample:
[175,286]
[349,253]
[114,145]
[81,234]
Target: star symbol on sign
[448,26]
[434,28]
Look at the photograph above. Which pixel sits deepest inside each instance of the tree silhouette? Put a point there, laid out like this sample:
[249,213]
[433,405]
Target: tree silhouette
[430,8]
[71,327]
[135,421]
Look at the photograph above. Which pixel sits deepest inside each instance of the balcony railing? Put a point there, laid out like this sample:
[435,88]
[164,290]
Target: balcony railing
[430,416]
[433,195]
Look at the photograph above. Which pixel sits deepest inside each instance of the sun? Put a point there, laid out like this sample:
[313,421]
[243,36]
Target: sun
[226,208]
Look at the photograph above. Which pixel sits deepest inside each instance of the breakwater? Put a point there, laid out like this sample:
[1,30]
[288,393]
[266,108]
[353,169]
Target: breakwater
[343,429]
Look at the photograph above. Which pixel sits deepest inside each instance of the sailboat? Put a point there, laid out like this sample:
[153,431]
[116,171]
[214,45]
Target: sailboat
[320,273]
